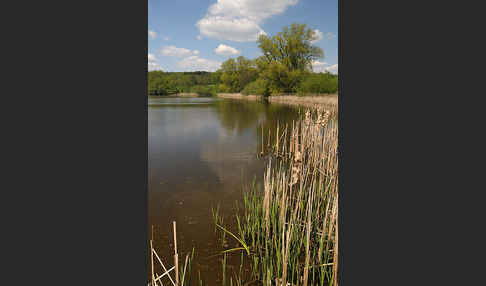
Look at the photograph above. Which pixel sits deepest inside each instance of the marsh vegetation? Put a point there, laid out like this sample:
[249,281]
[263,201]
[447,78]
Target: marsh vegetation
[287,229]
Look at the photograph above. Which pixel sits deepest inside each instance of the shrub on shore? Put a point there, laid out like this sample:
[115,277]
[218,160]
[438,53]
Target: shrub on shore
[257,87]
[318,83]
[205,90]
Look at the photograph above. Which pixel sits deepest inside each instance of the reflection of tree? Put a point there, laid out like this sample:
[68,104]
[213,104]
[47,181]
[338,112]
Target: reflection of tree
[243,115]
[276,115]
[239,115]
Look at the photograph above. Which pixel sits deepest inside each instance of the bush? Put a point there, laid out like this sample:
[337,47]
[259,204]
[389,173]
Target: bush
[224,88]
[205,90]
[257,87]
[318,83]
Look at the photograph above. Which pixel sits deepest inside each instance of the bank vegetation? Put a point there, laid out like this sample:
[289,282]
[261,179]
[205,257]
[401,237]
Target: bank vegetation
[285,67]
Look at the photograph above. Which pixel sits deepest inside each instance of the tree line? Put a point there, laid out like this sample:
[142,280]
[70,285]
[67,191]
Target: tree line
[285,66]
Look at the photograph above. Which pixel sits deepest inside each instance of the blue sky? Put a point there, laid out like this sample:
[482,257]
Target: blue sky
[189,35]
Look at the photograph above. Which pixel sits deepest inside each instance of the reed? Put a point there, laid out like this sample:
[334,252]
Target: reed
[289,228]
[182,278]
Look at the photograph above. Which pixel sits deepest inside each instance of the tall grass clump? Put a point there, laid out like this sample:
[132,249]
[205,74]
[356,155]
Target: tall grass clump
[289,228]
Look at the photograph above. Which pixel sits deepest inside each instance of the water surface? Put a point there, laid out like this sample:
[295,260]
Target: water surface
[201,152]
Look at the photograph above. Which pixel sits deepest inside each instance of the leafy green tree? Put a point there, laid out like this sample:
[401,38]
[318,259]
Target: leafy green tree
[292,47]
[236,74]
[229,75]
[287,57]
[318,83]
[246,70]
[165,83]
[257,87]
[279,78]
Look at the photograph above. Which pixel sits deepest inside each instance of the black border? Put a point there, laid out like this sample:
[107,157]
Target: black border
[340,146]
[77,162]
[77,158]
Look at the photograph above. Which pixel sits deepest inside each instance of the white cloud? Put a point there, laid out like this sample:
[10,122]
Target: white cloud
[173,51]
[199,37]
[330,36]
[255,10]
[152,63]
[152,34]
[195,63]
[166,38]
[318,34]
[239,20]
[333,69]
[154,66]
[238,30]
[318,67]
[225,50]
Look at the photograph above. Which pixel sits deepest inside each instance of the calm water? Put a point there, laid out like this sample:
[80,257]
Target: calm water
[202,151]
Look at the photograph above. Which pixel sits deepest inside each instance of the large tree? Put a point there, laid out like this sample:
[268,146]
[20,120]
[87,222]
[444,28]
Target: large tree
[287,57]
[236,74]
[292,47]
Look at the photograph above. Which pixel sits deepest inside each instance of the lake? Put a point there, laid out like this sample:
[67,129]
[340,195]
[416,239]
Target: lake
[201,152]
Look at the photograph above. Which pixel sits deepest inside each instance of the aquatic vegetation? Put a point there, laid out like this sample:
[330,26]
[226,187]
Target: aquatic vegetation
[182,275]
[289,228]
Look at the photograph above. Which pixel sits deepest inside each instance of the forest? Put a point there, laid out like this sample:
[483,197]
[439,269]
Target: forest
[285,67]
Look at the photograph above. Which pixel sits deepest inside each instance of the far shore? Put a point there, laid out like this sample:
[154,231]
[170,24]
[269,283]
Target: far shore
[327,100]
[187,95]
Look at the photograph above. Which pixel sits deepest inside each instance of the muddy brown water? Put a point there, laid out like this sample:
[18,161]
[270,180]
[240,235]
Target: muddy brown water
[202,152]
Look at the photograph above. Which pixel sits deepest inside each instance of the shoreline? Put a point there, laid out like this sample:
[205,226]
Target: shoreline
[327,100]
[184,94]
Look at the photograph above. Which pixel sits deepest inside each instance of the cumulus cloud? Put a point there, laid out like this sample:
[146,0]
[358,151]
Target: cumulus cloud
[195,63]
[152,63]
[173,51]
[199,37]
[152,34]
[237,30]
[318,67]
[318,34]
[333,69]
[256,10]
[225,50]
[239,20]
[330,36]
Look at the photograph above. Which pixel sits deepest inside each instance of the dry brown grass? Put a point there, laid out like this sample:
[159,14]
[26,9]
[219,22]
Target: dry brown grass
[323,100]
[328,101]
[239,96]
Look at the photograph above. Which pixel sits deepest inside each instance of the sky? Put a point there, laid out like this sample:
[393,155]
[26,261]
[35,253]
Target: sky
[198,35]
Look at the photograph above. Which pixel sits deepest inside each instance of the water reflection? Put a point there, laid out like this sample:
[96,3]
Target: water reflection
[201,152]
